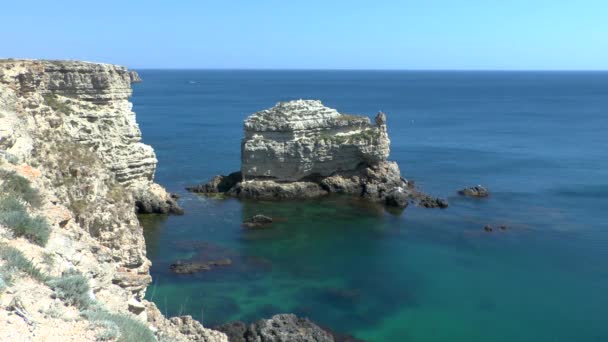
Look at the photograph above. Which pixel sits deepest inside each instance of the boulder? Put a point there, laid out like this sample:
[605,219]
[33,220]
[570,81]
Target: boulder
[258,221]
[475,191]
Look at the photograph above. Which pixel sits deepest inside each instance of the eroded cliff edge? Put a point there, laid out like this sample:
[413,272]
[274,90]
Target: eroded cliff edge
[68,132]
[303,149]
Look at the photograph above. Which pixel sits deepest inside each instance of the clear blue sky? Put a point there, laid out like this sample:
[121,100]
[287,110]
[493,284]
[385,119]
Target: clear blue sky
[317,34]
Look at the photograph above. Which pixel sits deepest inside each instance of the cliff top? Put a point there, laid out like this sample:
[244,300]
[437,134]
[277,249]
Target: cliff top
[299,115]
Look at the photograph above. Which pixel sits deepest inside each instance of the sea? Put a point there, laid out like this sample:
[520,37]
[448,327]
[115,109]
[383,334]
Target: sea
[537,140]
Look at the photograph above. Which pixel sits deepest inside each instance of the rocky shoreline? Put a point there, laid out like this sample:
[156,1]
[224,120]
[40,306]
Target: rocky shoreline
[76,267]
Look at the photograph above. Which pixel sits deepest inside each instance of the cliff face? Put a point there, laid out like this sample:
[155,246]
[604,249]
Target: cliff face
[303,138]
[69,128]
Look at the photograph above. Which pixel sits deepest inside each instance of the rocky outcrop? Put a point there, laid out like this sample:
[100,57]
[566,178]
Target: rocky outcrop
[279,328]
[299,139]
[258,221]
[474,191]
[68,128]
[302,149]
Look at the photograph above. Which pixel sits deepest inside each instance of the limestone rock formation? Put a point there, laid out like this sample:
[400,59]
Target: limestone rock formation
[302,149]
[48,105]
[68,128]
[299,139]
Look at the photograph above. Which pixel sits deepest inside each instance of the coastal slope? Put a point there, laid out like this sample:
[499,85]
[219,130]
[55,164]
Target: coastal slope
[73,174]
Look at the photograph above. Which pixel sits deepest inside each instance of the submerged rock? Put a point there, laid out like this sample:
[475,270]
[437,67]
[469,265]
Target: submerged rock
[302,149]
[258,221]
[488,228]
[475,191]
[190,267]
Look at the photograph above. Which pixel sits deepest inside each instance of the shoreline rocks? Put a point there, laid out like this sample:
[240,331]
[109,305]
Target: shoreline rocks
[301,149]
[279,328]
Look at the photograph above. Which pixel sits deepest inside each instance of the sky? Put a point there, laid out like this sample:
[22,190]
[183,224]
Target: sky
[312,34]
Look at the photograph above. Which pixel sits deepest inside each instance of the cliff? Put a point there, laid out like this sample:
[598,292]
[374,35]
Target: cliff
[73,173]
[302,149]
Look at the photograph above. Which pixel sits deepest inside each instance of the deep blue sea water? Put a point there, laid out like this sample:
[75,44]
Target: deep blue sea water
[537,140]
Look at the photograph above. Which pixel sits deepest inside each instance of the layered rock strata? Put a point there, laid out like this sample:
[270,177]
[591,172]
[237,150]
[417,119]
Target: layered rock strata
[69,129]
[302,149]
[48,105]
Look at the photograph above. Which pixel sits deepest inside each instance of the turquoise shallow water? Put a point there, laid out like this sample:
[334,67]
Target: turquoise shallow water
[537,140]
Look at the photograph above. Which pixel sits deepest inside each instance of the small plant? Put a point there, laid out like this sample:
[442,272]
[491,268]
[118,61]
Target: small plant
[14,185]
[129,328]
[117,193]
[110,330]
[54,311]
[53,101]
[48,260]
[14,216]
[2,284]
[12,159]
[14,262]
[73,288]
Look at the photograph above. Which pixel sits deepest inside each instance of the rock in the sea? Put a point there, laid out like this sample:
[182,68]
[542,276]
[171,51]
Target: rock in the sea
[432,202]
[218,184]
[488,228]
[397,197]
[475,191]
[302,138]
[190,267]
[302,149]
[279,328]
[156,200]
[258,221]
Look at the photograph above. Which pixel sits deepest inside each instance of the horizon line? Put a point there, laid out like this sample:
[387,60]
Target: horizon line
[363,69]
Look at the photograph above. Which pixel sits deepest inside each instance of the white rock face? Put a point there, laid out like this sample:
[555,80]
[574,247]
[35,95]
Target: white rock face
[83,102]
[302,138]
[68,127]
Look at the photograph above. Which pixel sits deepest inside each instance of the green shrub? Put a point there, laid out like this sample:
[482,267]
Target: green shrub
[15,261]
[14,185]
[54,102]
[2,284]
[73,288]
[110,330]
[12,159]
[130,329]
[14,216]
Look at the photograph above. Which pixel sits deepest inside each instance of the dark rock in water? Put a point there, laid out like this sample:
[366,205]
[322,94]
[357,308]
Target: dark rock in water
[286,328]
[271,190]
[234,330]
[218,184]
[282,328]
[488,228]
[181,267]
[475,191]
[190,267]
[397,197]
[258,221]
[503,227]
[432,202]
